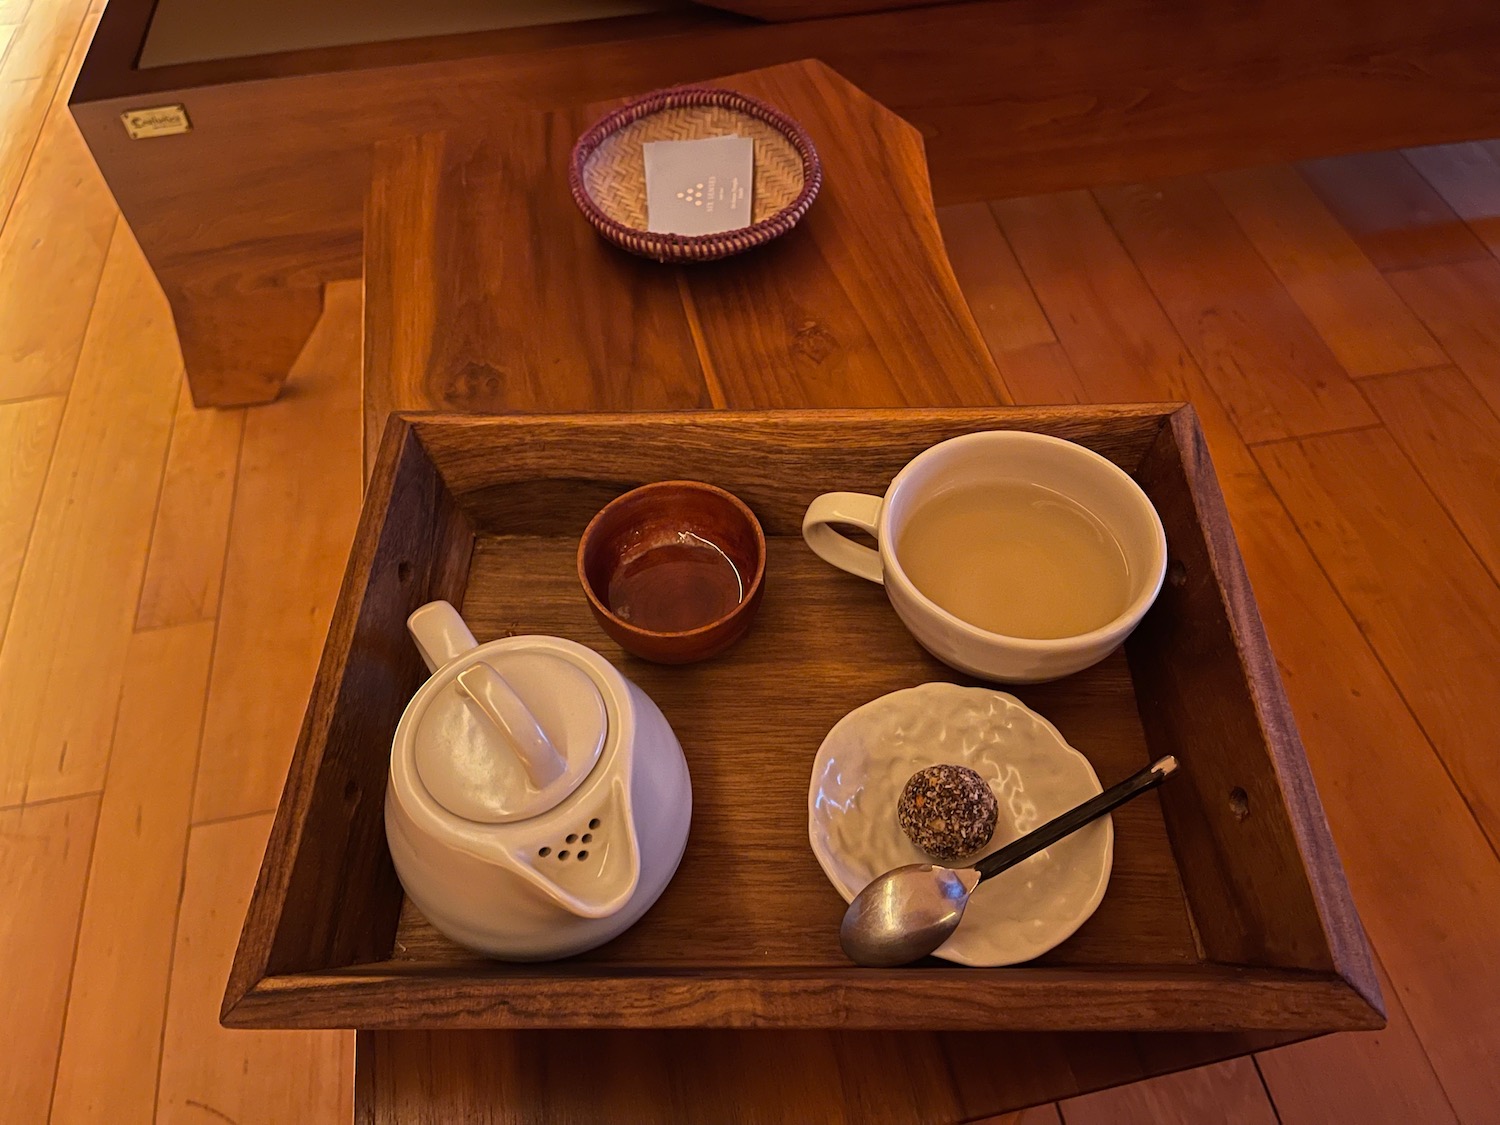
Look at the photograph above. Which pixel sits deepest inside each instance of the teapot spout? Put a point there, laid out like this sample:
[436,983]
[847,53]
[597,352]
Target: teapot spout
[599,879]
[440,633]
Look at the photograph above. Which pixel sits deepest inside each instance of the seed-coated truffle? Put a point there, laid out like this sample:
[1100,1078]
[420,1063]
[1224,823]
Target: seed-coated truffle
[947,811]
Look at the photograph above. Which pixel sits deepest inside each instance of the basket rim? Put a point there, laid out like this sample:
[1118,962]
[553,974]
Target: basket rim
[685,96]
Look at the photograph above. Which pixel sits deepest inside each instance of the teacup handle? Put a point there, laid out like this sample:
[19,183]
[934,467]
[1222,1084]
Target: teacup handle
[850,509]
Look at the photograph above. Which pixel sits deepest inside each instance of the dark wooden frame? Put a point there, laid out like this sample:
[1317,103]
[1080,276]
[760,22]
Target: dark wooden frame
[245,217]
[1280,944]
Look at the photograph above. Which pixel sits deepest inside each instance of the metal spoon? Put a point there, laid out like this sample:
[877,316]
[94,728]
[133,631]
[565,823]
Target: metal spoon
[910,911]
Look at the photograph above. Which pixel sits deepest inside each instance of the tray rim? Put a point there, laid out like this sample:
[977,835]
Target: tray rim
[359,995]
[1198,998]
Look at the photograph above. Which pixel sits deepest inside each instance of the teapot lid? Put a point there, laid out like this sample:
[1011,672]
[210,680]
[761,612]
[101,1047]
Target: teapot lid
[510,736]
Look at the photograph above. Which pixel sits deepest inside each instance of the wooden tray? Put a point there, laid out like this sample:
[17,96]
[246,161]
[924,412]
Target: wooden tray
[1227,909]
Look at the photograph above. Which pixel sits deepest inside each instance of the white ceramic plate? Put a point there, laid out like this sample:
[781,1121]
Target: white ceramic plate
[865,762]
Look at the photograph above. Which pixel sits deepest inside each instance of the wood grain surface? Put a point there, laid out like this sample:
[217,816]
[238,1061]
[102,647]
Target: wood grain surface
[185,564]
[44,863]
[854,1078]
[770,959]
[232,1078]
[1397,218]
[1395,534]
[1460,304]
[106,1061]
[519,507]
[107,1067]
[1205,998]
[896,1085]
[778,11]
[27,431]
[856,304]
[414,562]
[783,911]
[1468,178]
[1191,659]
[1386,1075]
[1230,1092]
[1109,324]
[242,341]
[994,286]
[1252,343]
[468,316]
[279,581]
[76,591]
[1451,435]
[778,480]
[52,254]
[1368,328]
[1381,780]
[396,566]
[1107,318]
[38,60]
[264,196]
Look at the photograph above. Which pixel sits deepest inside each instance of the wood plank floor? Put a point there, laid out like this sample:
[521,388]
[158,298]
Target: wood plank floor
[166,576]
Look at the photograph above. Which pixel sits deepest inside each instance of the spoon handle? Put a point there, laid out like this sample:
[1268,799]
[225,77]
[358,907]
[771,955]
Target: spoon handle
[1075,818]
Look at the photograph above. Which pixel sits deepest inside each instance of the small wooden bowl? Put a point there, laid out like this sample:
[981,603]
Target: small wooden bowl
[607,172]
[672,513]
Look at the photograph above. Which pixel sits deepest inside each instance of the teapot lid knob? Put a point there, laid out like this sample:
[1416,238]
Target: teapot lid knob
[510,736]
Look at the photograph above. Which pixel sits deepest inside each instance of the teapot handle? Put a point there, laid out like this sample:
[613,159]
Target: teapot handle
[513,719]
[440,633]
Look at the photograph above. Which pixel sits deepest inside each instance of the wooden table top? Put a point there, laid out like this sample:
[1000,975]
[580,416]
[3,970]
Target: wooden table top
[486,291]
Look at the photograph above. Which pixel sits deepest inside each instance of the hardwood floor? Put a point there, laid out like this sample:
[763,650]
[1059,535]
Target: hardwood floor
[166,575]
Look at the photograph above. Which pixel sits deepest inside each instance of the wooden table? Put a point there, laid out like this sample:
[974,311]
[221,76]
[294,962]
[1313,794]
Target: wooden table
[245,217]
[486,291]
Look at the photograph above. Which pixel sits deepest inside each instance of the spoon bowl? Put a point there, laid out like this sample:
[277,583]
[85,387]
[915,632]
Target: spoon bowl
[906,913]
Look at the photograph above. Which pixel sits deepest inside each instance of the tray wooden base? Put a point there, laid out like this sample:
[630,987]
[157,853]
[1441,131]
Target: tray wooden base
[1227,910]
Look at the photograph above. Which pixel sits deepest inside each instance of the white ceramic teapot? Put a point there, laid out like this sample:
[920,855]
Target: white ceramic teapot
[538,801]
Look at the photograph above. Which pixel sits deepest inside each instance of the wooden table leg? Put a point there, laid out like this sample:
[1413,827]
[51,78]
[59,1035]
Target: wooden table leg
[239,344]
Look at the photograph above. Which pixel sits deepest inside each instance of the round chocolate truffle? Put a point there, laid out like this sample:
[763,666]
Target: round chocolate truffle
[947,811]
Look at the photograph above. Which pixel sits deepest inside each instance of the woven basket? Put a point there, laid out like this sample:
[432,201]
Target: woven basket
[608,170]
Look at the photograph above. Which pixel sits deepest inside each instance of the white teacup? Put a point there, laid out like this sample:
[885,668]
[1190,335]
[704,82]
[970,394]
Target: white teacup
[996,456]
